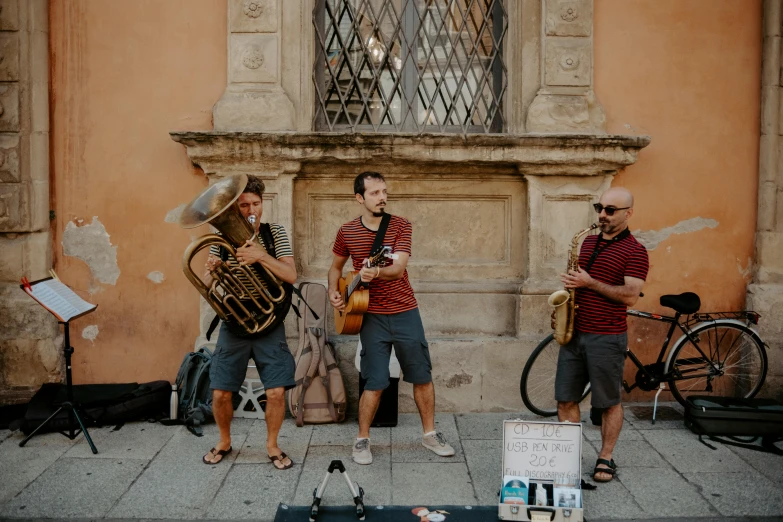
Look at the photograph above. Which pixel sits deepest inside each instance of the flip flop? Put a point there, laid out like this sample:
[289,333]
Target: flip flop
[215,453]
[610,468]
[280,458]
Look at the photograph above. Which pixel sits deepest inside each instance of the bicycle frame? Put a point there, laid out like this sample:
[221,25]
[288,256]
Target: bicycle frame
[674,321]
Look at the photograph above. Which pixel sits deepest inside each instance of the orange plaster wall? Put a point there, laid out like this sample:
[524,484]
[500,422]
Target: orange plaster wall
[124,74]
[686,73]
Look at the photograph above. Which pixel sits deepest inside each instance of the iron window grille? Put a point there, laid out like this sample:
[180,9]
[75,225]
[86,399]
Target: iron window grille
[410,65]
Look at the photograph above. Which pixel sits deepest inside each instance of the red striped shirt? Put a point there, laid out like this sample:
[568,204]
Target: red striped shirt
[354,240]
[625,257]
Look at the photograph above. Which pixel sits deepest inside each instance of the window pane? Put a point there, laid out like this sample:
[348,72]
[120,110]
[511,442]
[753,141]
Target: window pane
[410,65]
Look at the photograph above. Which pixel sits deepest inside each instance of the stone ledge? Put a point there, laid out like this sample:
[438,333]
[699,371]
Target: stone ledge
[274,153]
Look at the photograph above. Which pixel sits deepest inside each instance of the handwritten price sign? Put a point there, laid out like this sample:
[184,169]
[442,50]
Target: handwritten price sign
[542,450]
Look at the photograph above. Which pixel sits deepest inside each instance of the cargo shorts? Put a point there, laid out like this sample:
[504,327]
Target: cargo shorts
[406,332]
[274,361]
[595,358]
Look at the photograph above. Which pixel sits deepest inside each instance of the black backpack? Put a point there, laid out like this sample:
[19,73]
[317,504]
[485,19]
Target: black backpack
[194,405]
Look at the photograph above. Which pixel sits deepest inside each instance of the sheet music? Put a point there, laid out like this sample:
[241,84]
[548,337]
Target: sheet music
[59,299]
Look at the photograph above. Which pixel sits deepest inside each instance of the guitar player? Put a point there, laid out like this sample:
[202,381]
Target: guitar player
[392,317]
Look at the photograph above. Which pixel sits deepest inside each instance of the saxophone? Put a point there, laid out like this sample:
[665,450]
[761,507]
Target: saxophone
[563,300]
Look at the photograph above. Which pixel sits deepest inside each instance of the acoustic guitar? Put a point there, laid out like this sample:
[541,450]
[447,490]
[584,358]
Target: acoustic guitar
[356,296]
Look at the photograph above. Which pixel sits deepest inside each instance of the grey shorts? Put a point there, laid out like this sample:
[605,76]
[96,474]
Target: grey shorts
[404,331]
[273,359]
[594,358]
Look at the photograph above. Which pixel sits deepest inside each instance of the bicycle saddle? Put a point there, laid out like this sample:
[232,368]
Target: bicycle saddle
[687,303]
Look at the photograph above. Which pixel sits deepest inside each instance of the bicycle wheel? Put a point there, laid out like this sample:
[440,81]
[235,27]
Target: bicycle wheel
[737,364]
[537,385]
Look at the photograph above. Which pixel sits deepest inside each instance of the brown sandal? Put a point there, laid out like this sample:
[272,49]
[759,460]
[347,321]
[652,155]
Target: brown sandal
[280,458]
[215,453]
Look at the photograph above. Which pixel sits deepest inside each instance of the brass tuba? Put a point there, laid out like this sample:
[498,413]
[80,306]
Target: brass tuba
[563,300]
[249,297]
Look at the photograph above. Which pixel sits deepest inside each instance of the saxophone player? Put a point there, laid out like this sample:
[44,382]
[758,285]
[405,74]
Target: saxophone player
[612,268]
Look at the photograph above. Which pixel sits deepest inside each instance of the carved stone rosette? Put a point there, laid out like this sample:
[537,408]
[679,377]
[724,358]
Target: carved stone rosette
[565,101]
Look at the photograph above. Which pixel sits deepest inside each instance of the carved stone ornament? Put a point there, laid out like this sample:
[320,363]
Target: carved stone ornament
[569,62]
[253,8]
[252,58]
[569,12]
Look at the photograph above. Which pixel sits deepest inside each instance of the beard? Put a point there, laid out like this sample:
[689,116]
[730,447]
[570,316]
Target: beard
[379,214]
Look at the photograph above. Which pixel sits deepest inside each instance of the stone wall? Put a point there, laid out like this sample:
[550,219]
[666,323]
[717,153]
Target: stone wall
[765,294]
[30,349]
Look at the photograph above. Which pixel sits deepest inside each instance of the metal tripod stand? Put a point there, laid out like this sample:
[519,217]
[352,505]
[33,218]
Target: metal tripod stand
[69,405]
[318,493]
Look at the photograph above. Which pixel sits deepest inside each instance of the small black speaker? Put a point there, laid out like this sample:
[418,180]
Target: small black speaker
[386,416]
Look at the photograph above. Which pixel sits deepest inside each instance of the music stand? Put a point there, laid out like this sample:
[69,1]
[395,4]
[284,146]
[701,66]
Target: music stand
[69,405]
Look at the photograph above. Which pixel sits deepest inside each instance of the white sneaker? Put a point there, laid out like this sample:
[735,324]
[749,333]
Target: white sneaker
[436,442]
[361,452]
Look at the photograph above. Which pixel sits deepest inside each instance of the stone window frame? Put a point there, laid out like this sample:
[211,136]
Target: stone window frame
[551,91]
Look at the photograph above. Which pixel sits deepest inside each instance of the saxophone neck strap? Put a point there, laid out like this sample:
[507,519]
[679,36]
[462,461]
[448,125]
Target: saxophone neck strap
[602,244]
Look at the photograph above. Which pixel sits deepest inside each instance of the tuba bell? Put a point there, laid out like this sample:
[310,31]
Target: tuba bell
[249,296]
[563,300]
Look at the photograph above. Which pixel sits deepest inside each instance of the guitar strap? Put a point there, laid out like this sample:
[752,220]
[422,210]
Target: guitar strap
[381,234]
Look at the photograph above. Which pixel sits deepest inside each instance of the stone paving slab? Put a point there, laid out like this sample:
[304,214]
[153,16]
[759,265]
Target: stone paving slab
[75,488]
[20,466]
[251,491]
[628,432]
[484,459]
[638,454]
[406,440]
[136,440]
[375,479]
[740,494]
[291,439]
[771,466]
[683,450]
[344,434]
[486,426]
[663,492]
[420,483]
[611,501]
[177,484]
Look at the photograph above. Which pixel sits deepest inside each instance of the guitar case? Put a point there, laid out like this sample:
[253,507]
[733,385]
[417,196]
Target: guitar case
[736,417]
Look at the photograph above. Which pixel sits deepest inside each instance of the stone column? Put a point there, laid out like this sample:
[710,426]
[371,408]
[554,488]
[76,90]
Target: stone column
[565,101]
[264,84]
[30,353]
[765,294]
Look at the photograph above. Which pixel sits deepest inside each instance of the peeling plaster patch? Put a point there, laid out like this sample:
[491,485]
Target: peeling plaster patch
[459,379]
[747,271]
[173,215]
[652,238]
[156,277]
[91,244]
[90,332]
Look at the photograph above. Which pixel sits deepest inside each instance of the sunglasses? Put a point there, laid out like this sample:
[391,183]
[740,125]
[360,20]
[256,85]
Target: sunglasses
[609,210]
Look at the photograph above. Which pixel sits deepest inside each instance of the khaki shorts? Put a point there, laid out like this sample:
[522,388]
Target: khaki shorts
[595,358]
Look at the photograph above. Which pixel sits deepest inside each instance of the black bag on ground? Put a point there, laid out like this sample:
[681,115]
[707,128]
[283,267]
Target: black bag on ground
[735,417]
[100,404]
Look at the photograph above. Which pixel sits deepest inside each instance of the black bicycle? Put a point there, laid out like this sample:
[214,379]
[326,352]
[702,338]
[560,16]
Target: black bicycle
[719,353]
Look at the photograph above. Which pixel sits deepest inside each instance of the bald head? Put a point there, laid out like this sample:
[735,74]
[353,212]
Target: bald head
[617,197]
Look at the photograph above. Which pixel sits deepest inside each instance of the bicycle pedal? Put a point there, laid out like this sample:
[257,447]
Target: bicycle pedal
[628,388]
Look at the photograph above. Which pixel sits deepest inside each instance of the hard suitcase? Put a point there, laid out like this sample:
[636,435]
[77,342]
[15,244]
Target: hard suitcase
[736,417]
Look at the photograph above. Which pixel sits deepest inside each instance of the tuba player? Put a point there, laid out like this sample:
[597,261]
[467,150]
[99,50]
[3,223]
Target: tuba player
[268,348]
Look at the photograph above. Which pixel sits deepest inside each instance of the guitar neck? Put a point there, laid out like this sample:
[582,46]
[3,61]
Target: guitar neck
[351,287]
